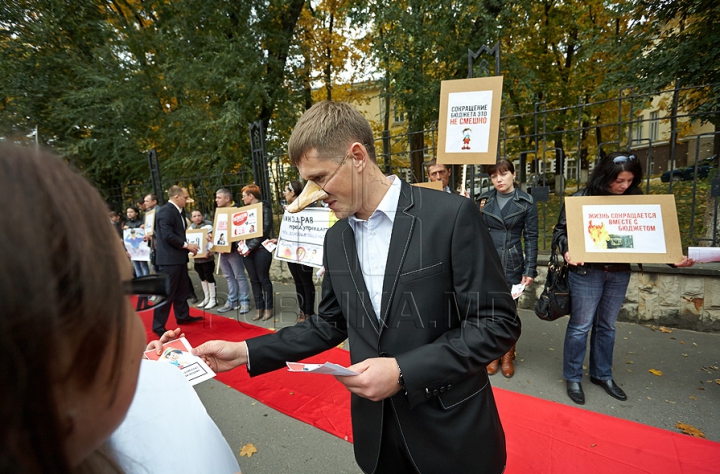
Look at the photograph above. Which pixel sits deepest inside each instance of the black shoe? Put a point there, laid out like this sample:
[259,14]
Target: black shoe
[575,392]
[611,388]
[189,319]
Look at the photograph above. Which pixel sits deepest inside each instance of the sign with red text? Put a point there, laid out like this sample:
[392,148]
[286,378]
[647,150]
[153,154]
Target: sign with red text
[246,222]
[469,120]
[623,229]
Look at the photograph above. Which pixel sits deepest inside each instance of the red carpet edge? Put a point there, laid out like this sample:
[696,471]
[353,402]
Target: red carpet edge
[542,436]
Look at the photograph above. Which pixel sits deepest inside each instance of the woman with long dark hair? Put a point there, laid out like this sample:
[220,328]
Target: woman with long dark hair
[597,289]
[512,219]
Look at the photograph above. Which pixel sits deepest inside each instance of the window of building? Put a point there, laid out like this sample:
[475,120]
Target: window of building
[654,126]
[638,135]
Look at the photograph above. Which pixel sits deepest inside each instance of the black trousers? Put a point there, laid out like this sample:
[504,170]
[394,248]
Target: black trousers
[304,286]
[179,291]
[257,265]
[205,271]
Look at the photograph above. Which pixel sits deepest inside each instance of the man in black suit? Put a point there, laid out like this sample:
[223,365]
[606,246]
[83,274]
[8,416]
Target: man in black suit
[413,281]
[171,257]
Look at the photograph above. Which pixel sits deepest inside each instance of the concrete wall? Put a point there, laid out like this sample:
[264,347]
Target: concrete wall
[686,298]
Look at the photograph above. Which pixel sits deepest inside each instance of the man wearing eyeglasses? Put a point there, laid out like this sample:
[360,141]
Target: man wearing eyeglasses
[414,282]
[171,257]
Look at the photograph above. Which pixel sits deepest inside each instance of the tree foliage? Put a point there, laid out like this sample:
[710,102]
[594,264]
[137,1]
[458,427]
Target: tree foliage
[104,81]
[684,44]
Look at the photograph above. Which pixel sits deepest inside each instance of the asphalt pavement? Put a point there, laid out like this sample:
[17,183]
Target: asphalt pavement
[684,388]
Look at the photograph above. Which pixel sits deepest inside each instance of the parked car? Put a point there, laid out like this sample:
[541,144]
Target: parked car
[481,185]
[542,179]
[682,174]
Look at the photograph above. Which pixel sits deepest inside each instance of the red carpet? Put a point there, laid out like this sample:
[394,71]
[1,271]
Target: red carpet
[542,437]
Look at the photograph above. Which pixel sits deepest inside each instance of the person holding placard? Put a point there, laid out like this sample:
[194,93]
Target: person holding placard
[257,258]
[205,266]
[134,222]
[512,218]
[414,282]
[232,265]
[439,172]
[597,289]
[302,274]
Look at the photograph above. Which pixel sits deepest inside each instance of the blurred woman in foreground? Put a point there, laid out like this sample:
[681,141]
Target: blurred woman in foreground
[70,339]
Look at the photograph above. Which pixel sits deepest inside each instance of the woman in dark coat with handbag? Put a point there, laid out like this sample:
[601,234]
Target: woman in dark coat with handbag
[257,258]
[511,216]
[597,289]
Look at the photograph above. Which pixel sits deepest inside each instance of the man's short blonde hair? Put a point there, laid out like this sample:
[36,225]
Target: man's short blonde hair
[175,191]
[330,127]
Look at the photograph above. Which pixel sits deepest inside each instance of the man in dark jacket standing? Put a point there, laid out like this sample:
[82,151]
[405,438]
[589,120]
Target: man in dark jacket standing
[422,324]
[171,257]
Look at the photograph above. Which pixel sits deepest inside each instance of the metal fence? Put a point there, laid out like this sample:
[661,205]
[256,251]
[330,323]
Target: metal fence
[562,142]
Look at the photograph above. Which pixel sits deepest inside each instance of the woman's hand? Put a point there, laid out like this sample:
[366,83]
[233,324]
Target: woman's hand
[166,337]
[686,262]
[566,256]
[526,280]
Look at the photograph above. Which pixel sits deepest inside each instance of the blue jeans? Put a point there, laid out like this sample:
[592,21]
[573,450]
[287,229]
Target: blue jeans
[596,301]
[141,268]
[233,269]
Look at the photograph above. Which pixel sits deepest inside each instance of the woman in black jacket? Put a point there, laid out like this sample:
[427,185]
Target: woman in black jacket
[511,215]
[597,289]
[257,258]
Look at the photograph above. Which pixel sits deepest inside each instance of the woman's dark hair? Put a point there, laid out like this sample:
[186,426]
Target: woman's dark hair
[62,302]
[501,165]
[135,208]
[296,187]
[607,170]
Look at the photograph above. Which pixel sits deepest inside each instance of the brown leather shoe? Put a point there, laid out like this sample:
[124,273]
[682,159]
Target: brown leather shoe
[493,367]
[258,316]
[268,314]
[507,367]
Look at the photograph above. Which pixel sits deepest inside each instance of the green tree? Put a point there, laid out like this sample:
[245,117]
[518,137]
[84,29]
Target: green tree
[683,43]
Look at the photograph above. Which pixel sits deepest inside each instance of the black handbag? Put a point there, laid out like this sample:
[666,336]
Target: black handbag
[554,301]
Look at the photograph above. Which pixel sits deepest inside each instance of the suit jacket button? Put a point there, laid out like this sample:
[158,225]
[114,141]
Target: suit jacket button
[449,386]
[383,354]
[435,393]
[427,393]
[442,389]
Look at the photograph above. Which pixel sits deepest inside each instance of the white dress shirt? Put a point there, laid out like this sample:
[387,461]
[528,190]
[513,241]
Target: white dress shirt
[372,241]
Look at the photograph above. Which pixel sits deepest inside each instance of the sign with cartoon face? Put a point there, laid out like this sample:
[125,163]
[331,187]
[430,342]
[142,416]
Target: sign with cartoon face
[623,229]
[469,120]
[302,235]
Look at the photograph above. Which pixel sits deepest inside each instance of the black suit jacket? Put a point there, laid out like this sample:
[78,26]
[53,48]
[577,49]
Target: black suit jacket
[169,236]
[446,313]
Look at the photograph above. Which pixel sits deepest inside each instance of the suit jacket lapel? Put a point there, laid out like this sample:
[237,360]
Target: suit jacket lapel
[353,263]
[399,243]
